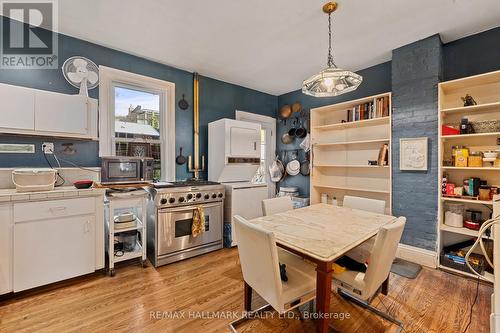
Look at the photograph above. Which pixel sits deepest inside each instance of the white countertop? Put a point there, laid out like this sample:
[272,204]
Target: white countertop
[7,195]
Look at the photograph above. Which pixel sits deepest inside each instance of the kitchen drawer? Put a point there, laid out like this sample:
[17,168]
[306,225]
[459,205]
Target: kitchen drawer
[30,211]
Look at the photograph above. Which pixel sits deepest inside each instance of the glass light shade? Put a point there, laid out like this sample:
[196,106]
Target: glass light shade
[331,82]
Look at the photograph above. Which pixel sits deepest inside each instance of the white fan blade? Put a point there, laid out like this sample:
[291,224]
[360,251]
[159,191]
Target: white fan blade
[80,63]
[75,77]
[92,77]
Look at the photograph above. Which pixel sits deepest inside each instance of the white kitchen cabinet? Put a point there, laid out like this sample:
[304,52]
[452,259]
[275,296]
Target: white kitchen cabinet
[38,112]
[17,108]
[5,249]
[61,113]
[52,250]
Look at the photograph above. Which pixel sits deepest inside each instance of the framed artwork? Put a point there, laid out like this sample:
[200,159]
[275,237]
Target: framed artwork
[413,154]
[14,148]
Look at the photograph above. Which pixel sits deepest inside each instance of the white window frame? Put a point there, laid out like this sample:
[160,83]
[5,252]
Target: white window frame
[267,123]
[111,77]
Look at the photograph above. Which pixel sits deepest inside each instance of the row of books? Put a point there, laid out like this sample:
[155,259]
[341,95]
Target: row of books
[370,110]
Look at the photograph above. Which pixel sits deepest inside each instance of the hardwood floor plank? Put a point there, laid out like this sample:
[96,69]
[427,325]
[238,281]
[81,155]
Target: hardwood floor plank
[434,302]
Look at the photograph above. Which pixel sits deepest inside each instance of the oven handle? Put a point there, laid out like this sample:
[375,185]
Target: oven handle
[188,208]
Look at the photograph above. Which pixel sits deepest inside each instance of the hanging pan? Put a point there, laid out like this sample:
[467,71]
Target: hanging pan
[286,111]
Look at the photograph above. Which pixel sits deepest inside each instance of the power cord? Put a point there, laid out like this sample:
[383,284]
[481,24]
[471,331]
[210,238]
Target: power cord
[472,306]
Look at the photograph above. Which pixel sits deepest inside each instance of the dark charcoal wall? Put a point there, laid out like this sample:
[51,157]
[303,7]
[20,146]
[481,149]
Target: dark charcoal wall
[217,100]
[376,79]
[416,72]
[472,55]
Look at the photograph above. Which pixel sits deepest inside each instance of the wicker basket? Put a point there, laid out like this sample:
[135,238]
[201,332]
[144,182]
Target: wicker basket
[486,126]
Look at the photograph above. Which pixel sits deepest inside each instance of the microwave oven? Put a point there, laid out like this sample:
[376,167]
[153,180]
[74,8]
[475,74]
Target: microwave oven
[125,170]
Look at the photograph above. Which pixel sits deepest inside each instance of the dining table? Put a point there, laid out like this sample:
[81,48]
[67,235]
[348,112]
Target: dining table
[322,233]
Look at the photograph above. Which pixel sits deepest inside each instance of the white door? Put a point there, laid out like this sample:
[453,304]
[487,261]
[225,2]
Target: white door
[5,249]
[61,113]
[17,109]
[245,142]
[53,250]
[268,146]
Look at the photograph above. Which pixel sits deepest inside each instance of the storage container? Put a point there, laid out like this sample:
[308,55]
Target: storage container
[33,180]
[454,215]
[292,191]
[475,159]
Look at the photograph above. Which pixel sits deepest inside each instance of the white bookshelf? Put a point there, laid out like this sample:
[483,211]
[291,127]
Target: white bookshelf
[341,150]
[485,89]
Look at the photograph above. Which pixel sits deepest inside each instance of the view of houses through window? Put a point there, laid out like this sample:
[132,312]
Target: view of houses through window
[137,125]
[260,175]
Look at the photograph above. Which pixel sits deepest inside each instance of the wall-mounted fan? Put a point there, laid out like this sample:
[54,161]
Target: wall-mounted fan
[81,73]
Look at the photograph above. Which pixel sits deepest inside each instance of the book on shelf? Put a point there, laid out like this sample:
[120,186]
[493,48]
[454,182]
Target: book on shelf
[383,155]
[376,109]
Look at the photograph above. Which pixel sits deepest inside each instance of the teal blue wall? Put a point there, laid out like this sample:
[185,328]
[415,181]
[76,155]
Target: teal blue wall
[217,100]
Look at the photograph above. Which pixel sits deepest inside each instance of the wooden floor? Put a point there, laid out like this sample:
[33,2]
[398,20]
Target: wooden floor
[145,300]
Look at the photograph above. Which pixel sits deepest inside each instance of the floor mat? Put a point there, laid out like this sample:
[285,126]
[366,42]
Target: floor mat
[405,268]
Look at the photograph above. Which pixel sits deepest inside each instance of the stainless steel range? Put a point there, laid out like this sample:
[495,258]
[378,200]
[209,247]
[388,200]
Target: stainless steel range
[170,218]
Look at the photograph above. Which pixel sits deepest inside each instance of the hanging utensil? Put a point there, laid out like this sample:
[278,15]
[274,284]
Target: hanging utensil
[301,131]
[181,159]
[183,104]
[292,131]
[293,166]
[305,166]
[285,111]
[296,107]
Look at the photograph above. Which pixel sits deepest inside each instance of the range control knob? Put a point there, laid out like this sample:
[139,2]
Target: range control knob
[220,195]
[171,200]
[189,196]
[214,195]
[198,195]
[207,196]
[181,199]
[164,201]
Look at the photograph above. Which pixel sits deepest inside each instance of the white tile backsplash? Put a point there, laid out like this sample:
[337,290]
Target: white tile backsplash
[70,175]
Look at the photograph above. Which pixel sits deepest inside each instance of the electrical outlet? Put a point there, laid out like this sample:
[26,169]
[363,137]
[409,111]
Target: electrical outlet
[48,147]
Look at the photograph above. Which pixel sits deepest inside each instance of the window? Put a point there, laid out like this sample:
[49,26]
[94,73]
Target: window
[137,118]
[261,174]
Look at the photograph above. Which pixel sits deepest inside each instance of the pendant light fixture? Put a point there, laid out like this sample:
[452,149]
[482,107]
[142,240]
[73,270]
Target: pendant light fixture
[331,81]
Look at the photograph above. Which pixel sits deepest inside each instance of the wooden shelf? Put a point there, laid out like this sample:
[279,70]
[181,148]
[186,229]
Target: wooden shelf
[456,271]
[359,123]
[471,168]
[349,188]
[351,142]
[351,166]
[480,202]
[465,136]
[462,231]
[488,107]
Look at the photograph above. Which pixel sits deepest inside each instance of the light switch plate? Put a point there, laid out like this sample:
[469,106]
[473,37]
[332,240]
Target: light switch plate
[48,147]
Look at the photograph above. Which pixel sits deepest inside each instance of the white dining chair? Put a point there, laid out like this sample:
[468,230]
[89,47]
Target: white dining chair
[369,205]
[362,252]
[362,288]
[260,259]
[276,205]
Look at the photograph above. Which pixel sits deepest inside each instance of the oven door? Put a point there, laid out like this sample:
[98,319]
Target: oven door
[174,228]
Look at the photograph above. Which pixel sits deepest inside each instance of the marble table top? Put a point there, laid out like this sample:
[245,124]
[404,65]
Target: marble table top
[323,232]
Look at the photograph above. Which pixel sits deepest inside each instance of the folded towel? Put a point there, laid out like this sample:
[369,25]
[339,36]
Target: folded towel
[198,221]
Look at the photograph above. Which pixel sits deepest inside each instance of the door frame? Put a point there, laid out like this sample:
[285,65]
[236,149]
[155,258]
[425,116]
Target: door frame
[268,123]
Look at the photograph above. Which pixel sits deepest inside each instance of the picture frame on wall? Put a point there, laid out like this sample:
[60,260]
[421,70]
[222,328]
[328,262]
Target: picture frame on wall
[413,154]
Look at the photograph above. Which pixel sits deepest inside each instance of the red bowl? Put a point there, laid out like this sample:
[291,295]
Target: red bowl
[82,184]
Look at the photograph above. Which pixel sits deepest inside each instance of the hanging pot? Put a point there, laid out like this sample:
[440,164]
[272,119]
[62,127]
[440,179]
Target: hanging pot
[301,131]
[183,104]
[286,111]
[286,139]
[292,131]
[181,159]
[304,166]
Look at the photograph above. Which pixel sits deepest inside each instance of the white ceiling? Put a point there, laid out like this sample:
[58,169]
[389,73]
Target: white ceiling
[269,45]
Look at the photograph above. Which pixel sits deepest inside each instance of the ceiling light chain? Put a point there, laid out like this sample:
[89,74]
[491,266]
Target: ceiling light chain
[330,62]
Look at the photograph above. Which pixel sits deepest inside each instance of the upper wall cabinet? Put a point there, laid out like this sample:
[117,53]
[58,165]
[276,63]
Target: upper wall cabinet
[37,112]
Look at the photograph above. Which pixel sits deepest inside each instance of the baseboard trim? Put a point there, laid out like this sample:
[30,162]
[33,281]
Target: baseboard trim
[417,255]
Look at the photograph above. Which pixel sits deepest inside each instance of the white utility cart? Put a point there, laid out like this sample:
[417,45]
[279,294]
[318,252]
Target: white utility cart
[132,203]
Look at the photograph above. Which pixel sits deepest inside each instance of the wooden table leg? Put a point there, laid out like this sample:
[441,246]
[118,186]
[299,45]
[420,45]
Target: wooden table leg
[248,297]
[323,295]
[385,286]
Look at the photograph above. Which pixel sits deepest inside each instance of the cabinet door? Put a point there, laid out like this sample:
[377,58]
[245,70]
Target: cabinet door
[245,142]
[61,113]
[53,250]
[5,249]
[17,107]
